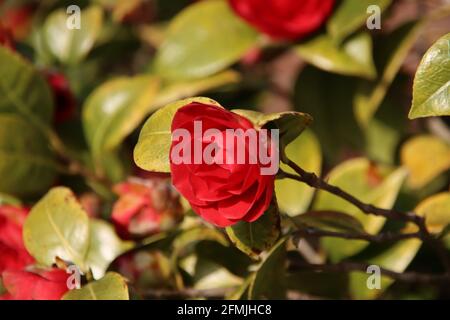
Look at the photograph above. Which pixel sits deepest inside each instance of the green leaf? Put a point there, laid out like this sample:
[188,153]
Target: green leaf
[398,257]
[291,124]
[188,238]
[425,157]
[352,58]
[203,39]
[255,237]
[431,92]
[57,227]
[23,90]
[6,199]
[369,183]
[111,287]
[115,109]
[269,279]
[27,166]
[294,197]
[330,221]
[390,58]
[71,46]
[104,247]
[351,15]
[153,148]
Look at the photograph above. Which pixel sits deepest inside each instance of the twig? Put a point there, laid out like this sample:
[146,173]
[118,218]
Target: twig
[412,277]
[216,293]
[312,180]
[379,238]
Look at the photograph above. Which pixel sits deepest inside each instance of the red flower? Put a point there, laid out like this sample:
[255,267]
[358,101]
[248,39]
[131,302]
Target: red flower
[13,254]
[6,38]
[34,285]
[222,194]
[64,99]
[284,19]
[145,207]
[17,20]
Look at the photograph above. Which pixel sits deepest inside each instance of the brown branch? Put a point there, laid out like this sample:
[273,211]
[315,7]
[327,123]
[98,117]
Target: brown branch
[312,180]
[187,293]
[411,277]
[378,238]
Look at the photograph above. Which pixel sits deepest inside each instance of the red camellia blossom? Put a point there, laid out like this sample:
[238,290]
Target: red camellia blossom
[13,255]
[145,207]
[222,194]
[284,19]
[6,38]
[34,285]
[65,104]
[17,19]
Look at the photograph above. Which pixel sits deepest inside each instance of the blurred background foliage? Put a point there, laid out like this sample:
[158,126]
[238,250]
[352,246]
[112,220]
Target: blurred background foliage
[72,103]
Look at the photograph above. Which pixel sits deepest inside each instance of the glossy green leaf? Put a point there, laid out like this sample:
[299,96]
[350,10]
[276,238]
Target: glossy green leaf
[23,90]
[390,57]
[293,197]
[351,15]
[71,45]
[153,148]
[431,92]
[27,166]
[57,227]
[291,124]
[256,237]
[425,157]
[352,58]
[398,257]
[104,247]
[115,109]
[367,182]
[269,279]
[111,287]
[203,39]
[188,238]
[330,221]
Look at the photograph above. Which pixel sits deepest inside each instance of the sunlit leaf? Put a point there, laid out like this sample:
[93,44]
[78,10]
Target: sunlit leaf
[111,287]
[425,157]
[57,227]
[369,183]
[294,197]
[71,45]
[353,57]
[351,15]
[205,38]
[431,92]
[153,148]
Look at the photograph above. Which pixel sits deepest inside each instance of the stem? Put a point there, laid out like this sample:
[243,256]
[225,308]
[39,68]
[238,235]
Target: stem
[412,277]
[312,180]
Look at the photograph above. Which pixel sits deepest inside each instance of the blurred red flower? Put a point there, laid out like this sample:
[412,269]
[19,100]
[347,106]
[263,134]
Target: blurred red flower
[65,104]
[17,19]
[145,207]
[284,19]
[13,255]
[34,285]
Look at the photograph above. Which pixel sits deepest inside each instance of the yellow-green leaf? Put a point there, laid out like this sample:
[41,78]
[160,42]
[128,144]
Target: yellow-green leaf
[71,45]
[353,57]
[57,226]
[203,39]
[431,92]
[425,157]
[111,287]
[293,197]
[152,150]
